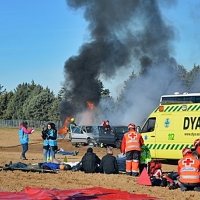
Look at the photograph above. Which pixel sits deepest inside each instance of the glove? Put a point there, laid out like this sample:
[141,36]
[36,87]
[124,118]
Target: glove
[32,131]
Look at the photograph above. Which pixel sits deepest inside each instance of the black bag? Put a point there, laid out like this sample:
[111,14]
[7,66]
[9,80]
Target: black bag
[44,134]
[158,181]
[163,182]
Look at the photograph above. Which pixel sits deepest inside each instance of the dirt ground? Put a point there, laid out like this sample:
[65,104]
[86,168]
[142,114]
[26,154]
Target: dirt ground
[10,150]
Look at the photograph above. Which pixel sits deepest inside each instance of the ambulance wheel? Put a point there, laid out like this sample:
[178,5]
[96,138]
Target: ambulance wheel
[118,144]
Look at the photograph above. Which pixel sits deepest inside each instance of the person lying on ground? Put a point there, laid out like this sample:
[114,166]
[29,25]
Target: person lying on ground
[67,153]
[54,165]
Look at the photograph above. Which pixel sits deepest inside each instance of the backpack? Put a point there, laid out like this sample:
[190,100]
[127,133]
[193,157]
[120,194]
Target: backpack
[155,168]
[145,156]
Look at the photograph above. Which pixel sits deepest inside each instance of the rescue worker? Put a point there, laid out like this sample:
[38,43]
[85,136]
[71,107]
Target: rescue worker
[131,145]
[50,141]
[71,125]
[189,171]
[197,147]
[107,128]
[103,123]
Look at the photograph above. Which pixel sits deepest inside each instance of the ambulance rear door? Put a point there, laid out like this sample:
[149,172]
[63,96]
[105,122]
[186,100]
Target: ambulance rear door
[148,132]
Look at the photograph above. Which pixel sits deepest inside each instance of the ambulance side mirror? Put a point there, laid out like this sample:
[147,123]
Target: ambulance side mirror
[138,129]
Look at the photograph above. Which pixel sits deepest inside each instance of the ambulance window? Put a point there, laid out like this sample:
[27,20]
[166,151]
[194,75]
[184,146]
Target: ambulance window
[197,99]
[149,125]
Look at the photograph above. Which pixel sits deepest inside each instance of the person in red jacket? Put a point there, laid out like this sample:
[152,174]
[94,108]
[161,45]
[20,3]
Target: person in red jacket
[189,171]
[131,145]
[106,127]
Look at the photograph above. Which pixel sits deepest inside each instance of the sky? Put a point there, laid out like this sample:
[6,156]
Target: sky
[37,37]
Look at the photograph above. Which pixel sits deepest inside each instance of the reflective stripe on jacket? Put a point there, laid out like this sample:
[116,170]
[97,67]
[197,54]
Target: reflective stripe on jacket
[132,140]
[48,141]
[188,169]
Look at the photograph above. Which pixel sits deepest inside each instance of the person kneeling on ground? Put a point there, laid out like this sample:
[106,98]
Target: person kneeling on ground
[108,163]
[90,162]
[189,171]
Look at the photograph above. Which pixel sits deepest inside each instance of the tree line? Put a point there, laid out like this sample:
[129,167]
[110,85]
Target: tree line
[33,102]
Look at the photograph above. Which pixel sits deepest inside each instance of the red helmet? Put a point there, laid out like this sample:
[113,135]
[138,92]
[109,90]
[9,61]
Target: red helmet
[131,126]
[103,122]
[196,143]
[186,150]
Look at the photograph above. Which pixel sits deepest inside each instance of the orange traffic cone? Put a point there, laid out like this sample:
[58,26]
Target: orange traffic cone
[144,179]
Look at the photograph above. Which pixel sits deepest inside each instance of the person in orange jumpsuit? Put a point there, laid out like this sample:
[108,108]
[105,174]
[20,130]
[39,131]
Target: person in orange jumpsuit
[131,145]
[189,171]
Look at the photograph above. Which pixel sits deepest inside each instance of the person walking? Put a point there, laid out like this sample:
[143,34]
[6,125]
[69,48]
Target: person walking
[131,145]
[24,138]
[49,136]
[108,163]
[90,162]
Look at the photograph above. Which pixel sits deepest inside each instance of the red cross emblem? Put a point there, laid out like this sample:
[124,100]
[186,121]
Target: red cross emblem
[187,162]
[132,135]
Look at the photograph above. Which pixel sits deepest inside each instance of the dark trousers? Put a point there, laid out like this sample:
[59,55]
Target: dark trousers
[133,155]
[190,186]
[24,149]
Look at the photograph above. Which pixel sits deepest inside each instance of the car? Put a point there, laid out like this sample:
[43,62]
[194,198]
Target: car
[119,132]
[95,135]
[84,135]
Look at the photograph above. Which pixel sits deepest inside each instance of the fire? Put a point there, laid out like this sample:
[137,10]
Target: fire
[90,105]
[88,115]
[64,128]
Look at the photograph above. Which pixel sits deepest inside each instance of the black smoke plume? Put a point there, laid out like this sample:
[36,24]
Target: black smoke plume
[123,34]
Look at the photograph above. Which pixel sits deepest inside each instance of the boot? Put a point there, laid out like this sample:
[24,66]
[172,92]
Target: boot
[197,189]
[183,188]
[23,157]
[128,173]
[135,174]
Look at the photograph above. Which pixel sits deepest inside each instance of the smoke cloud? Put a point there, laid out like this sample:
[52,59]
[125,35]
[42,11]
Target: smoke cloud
[128,34]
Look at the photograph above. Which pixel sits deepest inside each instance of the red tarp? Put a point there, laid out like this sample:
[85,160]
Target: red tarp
[75,194]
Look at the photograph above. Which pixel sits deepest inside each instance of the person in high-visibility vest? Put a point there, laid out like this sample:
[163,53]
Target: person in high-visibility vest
[131,145]
[189,171]
[49,136]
